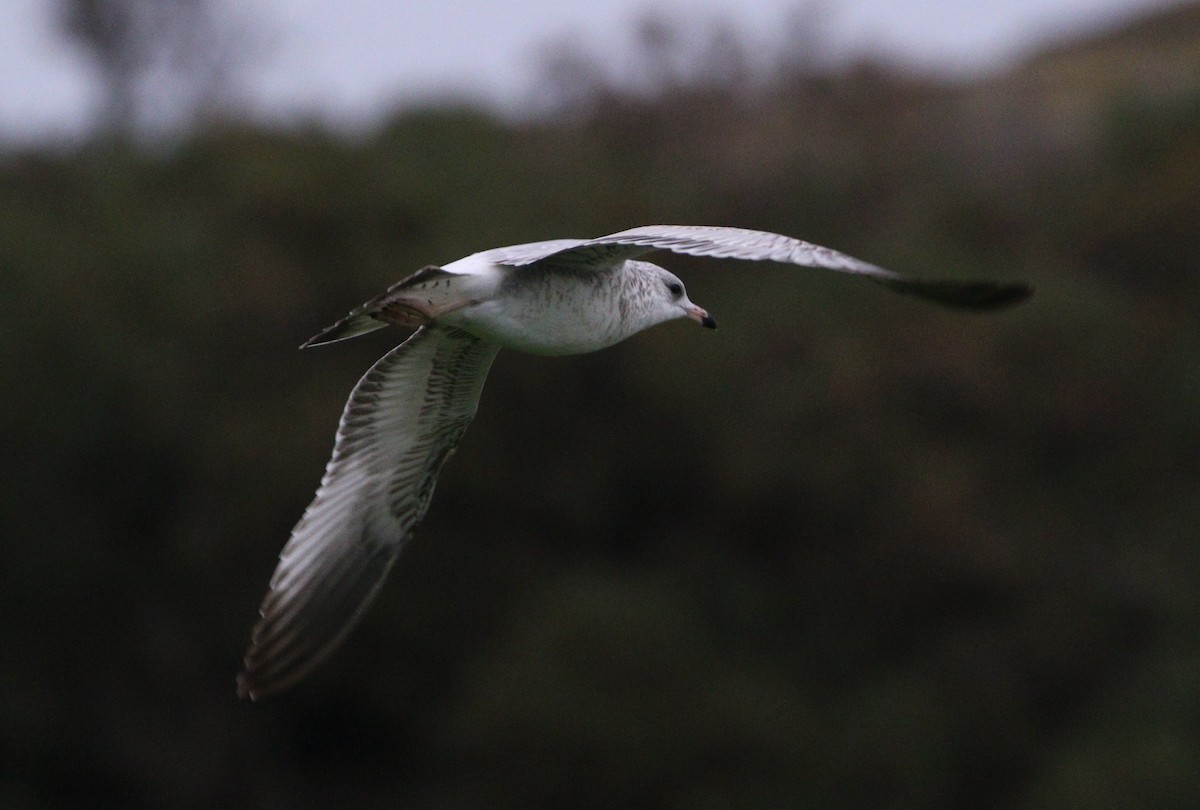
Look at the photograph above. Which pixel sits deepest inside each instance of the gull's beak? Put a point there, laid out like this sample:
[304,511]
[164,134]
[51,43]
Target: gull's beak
[701,317]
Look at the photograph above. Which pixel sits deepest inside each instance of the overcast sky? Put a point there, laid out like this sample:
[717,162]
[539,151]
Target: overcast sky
[351,60]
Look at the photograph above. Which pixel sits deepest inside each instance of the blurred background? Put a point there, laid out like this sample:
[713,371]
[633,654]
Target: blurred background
[850,550]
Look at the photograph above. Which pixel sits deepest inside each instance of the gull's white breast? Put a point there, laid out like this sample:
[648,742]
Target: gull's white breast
[550,312]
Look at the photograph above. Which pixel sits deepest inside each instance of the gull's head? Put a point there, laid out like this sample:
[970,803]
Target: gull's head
[669,300]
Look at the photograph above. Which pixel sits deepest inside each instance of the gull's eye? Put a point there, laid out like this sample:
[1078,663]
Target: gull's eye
[676,288]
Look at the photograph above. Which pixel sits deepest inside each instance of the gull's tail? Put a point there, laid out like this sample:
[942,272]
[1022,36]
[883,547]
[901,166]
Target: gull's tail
[355,324]
[382,310]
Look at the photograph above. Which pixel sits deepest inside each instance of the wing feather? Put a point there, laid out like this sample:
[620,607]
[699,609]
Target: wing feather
[402,420]
[518,255]
[739,243]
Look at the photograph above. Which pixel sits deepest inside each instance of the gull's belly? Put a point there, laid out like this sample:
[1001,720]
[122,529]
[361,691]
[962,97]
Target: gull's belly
[541,325]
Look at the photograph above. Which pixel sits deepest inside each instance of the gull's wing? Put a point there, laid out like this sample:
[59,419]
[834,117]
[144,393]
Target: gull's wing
[738,243]
[402,421]
[518,255]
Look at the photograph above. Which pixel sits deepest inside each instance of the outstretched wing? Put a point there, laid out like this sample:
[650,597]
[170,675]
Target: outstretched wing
[738,243]
[402,420]
[518,255]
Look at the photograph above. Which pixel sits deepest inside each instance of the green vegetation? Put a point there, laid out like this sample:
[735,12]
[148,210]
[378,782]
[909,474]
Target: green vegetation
[848,551]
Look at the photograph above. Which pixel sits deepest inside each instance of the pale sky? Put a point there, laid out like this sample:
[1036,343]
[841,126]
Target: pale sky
[350,61]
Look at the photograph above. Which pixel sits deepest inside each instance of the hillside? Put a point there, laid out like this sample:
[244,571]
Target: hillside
[1070,85]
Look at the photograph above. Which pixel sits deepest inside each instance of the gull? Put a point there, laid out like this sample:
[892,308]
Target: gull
[407,414]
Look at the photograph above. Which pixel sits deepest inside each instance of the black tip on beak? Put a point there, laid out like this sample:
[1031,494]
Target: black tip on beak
[700,316]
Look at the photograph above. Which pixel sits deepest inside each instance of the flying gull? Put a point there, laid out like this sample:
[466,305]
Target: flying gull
[407,414]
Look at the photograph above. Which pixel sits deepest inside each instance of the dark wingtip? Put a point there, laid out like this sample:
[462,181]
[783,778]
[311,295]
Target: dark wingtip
[987,295]
[244,690]
[975,296]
